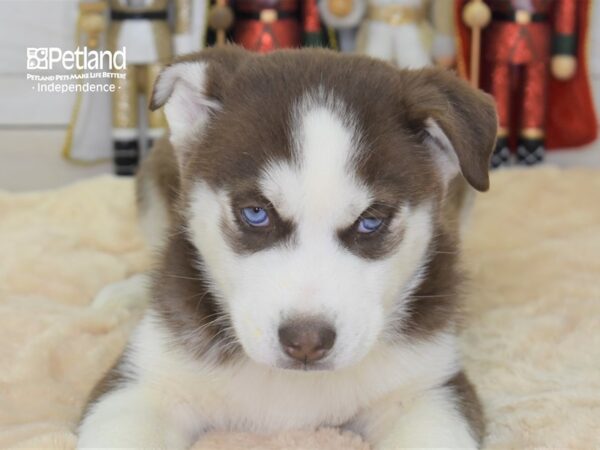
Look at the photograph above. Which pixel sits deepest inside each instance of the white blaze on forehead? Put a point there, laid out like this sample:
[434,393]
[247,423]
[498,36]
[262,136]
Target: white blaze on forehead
[321,186]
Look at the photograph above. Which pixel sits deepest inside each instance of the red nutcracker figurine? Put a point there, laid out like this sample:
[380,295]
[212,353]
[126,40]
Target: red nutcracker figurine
[534,67]
[266,25]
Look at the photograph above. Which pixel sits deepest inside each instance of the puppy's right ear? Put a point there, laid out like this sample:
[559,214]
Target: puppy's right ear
[191,91]
[458,123]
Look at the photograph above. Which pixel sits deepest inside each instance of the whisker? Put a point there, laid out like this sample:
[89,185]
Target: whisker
[171,275]
[206,325]
[176,232]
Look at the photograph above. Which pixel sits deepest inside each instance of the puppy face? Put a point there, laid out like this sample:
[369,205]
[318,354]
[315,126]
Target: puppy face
[313,193]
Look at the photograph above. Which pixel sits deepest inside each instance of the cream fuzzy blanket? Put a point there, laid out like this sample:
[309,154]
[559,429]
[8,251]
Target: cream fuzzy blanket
[531,338]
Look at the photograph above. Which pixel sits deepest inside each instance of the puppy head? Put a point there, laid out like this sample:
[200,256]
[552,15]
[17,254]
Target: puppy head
[313,185]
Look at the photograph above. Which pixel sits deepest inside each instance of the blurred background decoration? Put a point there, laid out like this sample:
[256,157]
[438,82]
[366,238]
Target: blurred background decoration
[540,59]
[530,55]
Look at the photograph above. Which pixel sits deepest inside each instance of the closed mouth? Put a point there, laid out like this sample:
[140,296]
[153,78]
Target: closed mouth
[322,366]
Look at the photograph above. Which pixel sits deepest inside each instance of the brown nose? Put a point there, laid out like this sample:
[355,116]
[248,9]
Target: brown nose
[306,340]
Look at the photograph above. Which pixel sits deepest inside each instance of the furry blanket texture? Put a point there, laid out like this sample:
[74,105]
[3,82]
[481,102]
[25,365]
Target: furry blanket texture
[531,338]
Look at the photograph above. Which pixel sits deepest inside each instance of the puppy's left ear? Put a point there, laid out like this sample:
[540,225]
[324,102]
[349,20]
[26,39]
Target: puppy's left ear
[457,122]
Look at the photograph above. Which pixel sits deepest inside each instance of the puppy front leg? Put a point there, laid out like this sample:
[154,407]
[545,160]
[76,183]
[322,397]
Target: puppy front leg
[447,416]
[134,417]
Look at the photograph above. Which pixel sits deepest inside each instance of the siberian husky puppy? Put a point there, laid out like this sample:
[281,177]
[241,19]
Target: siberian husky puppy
[307,208]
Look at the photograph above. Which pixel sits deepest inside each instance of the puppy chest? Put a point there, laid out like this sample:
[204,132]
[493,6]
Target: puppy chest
[270,405]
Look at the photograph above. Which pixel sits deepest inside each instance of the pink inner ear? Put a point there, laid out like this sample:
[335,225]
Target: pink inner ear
[190,106]
[442,151]
[187,108]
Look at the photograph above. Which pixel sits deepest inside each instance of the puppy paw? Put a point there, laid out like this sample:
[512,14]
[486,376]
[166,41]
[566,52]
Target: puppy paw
[131,293]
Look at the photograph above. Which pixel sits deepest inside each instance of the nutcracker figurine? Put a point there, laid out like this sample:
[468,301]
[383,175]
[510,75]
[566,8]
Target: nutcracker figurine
[142,28]
[409,33]
[534,66]
[87,138]
[266,25]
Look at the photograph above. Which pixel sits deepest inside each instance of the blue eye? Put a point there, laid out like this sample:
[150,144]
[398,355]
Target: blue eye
[369,224]
[255,216]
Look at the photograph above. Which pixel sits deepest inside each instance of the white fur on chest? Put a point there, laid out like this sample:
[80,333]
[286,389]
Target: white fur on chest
[248,396]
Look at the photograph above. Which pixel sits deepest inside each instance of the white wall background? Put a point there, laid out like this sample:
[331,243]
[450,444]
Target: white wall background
[33,23]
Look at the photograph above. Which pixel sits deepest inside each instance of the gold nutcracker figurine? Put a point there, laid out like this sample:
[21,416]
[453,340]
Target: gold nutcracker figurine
[142,28]
[409,33]
[87,138]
